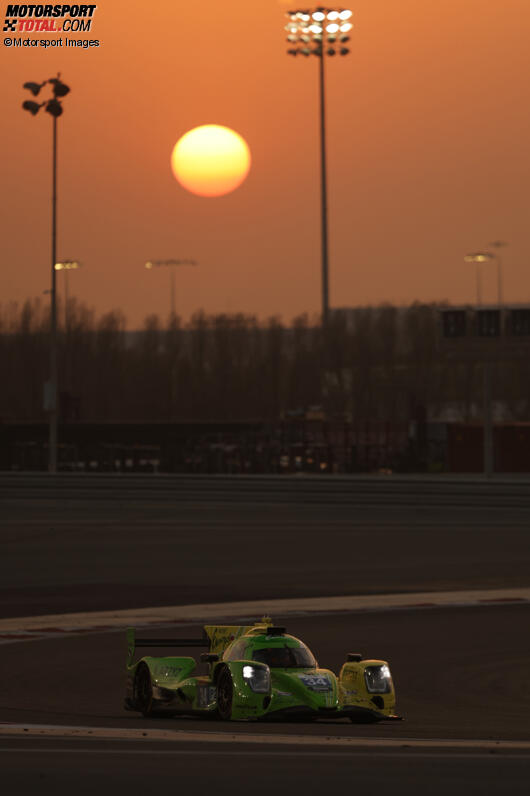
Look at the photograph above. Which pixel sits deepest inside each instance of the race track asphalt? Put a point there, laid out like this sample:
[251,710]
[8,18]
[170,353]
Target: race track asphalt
[140,769]
[460,673]
[133,542]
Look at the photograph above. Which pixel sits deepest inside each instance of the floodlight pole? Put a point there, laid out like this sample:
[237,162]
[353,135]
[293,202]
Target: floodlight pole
[172,292]
[487,436]
[315,32]
[323,194]
[488,419]
[52,459]
[170,263]
[498,244]
[66,265]
[483,257]
[54,108]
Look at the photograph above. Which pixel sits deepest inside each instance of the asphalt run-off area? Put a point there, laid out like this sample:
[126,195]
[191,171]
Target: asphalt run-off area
[432,575]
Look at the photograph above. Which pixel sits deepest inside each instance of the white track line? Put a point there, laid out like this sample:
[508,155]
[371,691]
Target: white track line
[26,628]
[260,752]
[184,736]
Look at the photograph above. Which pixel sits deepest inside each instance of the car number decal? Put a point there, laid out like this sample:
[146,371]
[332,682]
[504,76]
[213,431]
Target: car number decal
[316,682]
[206,695]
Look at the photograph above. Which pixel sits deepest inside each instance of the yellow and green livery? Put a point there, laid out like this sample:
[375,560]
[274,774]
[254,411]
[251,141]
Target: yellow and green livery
[255,672]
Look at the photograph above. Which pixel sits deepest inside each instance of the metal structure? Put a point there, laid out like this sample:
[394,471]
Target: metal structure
[169,263]
[486,257]
[486,335]
[322,32]
[478,258]
[54,107]
[66,266]
[498,244]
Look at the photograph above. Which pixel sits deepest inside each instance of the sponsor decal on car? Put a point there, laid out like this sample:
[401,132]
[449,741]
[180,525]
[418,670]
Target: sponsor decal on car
[166,670]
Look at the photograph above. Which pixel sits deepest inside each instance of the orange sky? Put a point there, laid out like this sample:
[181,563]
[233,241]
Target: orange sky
[428,156]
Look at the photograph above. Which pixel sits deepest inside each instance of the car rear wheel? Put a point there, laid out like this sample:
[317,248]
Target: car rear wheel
[225,692]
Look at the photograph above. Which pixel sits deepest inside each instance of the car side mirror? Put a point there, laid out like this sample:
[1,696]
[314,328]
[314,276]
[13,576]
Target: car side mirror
[209,657]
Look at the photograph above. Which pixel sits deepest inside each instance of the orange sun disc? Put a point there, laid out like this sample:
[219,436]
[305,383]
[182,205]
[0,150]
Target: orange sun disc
[210,160]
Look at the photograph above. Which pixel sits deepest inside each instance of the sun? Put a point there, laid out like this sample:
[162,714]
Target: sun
[210,160]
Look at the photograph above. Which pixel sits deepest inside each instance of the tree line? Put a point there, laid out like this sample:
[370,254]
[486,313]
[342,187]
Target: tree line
[370,364]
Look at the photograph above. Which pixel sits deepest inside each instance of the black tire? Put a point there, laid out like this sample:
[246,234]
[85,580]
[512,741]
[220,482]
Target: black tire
[225,693]
[143,690]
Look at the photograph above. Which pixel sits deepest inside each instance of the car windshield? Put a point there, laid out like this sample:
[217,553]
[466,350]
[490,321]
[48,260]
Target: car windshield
[284,657]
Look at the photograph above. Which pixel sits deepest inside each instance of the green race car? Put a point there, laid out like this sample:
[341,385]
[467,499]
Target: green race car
[255,672]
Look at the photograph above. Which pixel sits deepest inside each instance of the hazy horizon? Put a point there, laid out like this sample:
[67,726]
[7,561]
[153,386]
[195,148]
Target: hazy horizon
[427,122]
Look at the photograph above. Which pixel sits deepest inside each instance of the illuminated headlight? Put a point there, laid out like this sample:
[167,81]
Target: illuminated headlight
[258,678]
[378,679]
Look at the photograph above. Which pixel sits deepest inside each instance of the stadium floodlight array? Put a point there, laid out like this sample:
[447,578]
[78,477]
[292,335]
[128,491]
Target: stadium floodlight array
[52,106]
[319,31]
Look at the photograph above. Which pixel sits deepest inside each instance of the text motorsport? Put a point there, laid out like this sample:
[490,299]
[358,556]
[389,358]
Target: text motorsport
[60,18]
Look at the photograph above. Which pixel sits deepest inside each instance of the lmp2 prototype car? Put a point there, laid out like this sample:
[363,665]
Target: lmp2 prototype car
[255,672]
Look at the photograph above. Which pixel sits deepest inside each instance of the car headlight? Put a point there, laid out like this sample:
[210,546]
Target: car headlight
[258,678]
[378,679]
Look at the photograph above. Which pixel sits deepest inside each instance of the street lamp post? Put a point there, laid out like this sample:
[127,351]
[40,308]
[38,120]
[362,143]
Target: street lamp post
[498,244]
[54,107]
[478,258]
[487,257]
[322,32]
[66,265]
[169,263]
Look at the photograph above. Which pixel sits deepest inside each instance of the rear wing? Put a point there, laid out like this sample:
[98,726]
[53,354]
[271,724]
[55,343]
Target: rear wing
[216,638]
[221,636]
[133,643]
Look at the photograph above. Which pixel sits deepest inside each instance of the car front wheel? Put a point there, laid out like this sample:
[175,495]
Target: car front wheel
[143,691]
[225,692]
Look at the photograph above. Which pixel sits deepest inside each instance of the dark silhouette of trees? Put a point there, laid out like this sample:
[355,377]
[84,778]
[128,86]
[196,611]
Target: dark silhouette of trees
[370,365]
